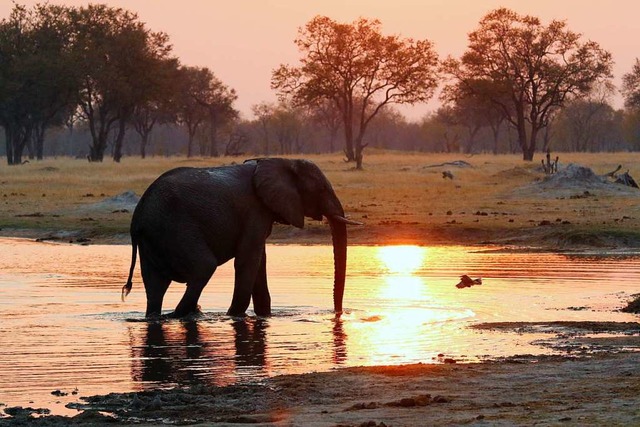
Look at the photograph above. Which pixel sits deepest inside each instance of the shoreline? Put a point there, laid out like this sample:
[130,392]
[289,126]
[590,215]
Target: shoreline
[531,239]
[598,390]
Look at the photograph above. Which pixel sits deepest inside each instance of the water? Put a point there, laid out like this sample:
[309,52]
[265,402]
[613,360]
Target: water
[63,326]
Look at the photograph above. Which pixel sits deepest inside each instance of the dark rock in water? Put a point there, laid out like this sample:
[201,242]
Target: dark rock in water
[93,418]
[633,306]
[20,412]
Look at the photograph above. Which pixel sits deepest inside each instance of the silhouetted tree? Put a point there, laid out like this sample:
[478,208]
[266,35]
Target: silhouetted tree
[588,123]
[158,106]
[262,112]
[38,83]
[534,68]
[118,58]
[217,98]
[359,70]
[194,82]
[631,86]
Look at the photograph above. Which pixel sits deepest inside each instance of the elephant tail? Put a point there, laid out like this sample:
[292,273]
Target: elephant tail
[126,289]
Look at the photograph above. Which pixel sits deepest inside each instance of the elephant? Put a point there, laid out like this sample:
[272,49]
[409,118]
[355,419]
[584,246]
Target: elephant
[192,220]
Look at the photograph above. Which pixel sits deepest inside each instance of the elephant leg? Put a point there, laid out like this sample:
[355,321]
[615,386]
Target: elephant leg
[202,265]
[155,286]
[189,302]
[247,263]
[260,295]
[196,283]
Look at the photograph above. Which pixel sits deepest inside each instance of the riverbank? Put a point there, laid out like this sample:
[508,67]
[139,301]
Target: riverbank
[401,199]
[600,389]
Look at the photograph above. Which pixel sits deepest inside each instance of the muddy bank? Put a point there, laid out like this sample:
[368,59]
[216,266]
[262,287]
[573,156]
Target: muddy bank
[587,387]
[544,236]
[601,390]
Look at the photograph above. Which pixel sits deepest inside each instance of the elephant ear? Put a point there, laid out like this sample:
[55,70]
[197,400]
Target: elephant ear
[275,184]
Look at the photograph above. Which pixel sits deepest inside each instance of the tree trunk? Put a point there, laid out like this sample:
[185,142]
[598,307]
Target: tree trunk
[99,145]
[117,152]
[358,154]
[96,153]
[347,119]
[40,130]
[213,140]
[496,137]
[529,148]
[143,144]
[8,144]
[190,145]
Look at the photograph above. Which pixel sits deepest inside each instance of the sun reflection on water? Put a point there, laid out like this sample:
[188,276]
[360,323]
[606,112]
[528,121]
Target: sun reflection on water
[403,259]
[407,323]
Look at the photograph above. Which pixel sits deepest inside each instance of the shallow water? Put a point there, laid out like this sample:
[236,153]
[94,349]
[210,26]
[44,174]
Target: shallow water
[63,326]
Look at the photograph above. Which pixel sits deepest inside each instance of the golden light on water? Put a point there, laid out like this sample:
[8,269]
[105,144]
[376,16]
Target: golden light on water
[403,288]
[404,259]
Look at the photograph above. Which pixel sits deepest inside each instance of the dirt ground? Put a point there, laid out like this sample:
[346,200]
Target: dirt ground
[402,199]
[600,389]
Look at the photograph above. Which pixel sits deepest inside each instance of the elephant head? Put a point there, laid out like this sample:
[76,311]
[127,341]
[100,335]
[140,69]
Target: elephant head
[293,189]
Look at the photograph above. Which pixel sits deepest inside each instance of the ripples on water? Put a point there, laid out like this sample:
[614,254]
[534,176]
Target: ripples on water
[63,327]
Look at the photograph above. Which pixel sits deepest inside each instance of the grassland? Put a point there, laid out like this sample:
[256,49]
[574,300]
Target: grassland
[401,198]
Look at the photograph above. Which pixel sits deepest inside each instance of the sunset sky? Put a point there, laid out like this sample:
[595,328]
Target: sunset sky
[242,41]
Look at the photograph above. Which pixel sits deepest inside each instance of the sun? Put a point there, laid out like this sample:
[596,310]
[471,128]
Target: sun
[402,259]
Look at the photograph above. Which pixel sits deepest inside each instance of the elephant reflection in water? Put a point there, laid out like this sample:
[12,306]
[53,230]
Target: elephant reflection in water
[188,353]
[339,342]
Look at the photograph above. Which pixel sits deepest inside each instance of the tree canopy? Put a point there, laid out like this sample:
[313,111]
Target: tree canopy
[359,70]
[527,69]
[37,80]
[631,86]
[102,65]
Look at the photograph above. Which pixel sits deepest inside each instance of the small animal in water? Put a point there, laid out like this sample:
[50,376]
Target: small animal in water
[467,282]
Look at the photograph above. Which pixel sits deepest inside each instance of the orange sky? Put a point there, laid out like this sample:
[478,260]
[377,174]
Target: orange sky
[242,40]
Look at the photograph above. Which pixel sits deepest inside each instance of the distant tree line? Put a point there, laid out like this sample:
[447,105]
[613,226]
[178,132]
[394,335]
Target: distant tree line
[94,81]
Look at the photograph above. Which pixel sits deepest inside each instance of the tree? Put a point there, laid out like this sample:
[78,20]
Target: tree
[160,102]
[194,82]
[218,100]
[631,87]
[534,69]
[471,103]
[359,70]
[325,114]
[587,123]
[38,82]
[117,56]
[262,111]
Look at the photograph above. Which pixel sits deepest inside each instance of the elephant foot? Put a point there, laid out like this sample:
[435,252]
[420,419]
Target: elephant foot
[180,314]
[262,313]
[233,313]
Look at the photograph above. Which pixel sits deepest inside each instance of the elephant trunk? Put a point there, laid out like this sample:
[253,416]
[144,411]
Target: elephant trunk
[339,238]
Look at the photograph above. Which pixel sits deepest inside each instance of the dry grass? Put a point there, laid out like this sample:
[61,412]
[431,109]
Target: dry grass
[400,199]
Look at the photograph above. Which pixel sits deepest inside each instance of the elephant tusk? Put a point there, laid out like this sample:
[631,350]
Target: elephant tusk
[345,220]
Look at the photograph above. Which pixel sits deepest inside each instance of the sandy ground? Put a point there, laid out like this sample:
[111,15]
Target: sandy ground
[596,382]
[402,198]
